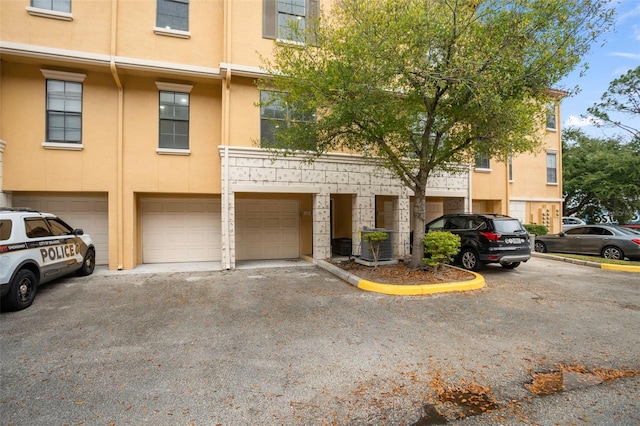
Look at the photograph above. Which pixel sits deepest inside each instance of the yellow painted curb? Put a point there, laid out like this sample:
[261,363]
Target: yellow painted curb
[422,289]
[625,268]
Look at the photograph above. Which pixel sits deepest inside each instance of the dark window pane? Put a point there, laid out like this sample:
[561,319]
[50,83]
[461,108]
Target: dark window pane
[5,229]
[173,14]
[577,231]
[167,97]
[166,126]
[36,228]
[42,4]
[58,227]
[181,112]
[182,99]
[57,5]
[551,117]
[508,226]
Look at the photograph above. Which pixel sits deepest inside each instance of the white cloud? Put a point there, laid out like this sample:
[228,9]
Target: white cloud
[631,13]
[635,56]
[576,121]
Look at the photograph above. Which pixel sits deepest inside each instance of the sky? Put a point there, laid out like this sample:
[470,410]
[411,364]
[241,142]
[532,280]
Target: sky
[620,53]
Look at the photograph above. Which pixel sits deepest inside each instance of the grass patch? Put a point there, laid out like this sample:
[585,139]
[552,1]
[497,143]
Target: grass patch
[597,259]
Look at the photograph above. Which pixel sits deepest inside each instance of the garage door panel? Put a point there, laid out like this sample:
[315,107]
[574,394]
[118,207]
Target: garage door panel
[87,213]
[267,229]
[153,206]
[180,231]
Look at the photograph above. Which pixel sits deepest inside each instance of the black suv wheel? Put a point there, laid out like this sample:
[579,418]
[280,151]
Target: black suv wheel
[469,259]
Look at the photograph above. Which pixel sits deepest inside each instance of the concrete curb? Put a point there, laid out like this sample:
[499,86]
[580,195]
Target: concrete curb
[598,265]
[404,290]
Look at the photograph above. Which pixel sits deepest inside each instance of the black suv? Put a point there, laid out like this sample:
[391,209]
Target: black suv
[486,238]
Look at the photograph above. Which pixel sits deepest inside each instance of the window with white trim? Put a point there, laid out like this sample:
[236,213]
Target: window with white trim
[173,15]
[63,107]
[510,167]
[287,19]
[54,5]
[482,162]
[551,117]
[174,108]
[552,168]
[275,113]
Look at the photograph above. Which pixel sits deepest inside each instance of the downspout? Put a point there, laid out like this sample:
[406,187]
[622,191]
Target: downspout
[506,189]
[470,189]
[120,142]
[226,191]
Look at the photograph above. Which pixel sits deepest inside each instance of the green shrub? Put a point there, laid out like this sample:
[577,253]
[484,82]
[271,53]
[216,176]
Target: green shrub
[375,239]
[534,229]
[441,247]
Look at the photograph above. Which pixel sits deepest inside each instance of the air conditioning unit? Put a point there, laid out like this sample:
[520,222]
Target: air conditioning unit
[386,246]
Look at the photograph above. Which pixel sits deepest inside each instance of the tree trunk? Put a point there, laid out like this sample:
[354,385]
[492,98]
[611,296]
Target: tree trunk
[419,209]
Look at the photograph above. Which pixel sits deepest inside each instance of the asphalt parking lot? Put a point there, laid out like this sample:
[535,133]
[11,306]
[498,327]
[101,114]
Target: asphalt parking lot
[298,346]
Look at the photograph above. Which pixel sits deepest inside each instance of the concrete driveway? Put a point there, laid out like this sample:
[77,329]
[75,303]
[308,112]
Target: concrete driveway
[297,346]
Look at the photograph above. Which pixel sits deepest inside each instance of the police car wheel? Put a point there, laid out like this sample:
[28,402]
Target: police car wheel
[21,292]
[88,264]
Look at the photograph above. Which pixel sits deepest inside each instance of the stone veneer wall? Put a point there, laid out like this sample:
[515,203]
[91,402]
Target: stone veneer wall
[256,170]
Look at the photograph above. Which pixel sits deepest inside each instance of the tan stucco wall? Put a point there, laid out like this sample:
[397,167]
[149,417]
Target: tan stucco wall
[530,171]
[88,32]
[492,193]
[136,38]
[246,38]
[490,185]
[92,169]
[244,114]
[147,171]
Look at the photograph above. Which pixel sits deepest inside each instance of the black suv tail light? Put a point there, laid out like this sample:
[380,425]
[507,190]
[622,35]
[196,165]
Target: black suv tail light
[491,236]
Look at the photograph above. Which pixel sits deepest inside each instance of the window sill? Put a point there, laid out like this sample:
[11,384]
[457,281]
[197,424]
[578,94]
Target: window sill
[552,183]
[552,129]
[478,170]
[46,13]
[291,42]
[170,151]
[171,33]
[63,146]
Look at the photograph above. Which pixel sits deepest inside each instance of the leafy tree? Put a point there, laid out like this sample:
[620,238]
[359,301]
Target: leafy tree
[623,99]
[600,174]
[421,85]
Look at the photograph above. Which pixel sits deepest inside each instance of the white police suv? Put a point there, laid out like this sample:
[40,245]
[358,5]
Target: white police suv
[36,248]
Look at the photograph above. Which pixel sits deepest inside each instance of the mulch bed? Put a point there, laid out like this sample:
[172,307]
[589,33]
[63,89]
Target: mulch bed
[400,274]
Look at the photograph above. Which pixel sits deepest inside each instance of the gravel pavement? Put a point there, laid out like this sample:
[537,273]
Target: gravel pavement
[298,346]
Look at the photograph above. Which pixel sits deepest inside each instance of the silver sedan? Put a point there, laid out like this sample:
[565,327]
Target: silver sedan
[608,241]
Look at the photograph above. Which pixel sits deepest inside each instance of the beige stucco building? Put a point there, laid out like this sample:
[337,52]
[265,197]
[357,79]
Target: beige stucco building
[137,121]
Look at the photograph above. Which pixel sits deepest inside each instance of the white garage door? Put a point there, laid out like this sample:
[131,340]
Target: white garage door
[89,213]
[180,230]
[267,229]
